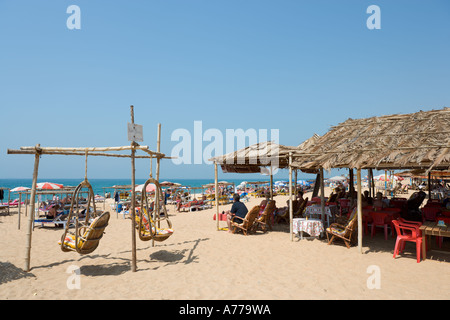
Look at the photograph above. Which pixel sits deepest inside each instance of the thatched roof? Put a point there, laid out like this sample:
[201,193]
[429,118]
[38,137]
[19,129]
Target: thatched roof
[418,140]
[251,159]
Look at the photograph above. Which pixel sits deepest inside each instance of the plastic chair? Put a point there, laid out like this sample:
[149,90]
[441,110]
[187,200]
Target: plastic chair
[430,213]
[344,206]
[407,232]
[380,219]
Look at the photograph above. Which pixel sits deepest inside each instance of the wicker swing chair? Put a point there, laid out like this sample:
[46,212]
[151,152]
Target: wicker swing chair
[148,227]
[86,237]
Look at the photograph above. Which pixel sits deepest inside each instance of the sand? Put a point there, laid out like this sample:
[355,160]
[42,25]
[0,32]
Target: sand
[200,263]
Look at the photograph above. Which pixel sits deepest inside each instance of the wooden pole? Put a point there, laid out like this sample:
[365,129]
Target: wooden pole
[133,199]
[20,201]
[359,210]
[291,211]
[351,186]
[31,216]
[158,160]
[295,182]
[216,186]
[429,184]
[271,183]
[322,195]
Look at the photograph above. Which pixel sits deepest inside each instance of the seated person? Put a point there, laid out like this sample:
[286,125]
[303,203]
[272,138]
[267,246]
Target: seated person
[367,198]
[378,201]
[237,213]
[52,212]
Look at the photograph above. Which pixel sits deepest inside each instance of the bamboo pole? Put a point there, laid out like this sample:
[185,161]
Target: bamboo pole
[216,184]
[79,153]
[322,195]
[429,184]
[133,199]
[157,195]
[31,216]
[93,149]
[291,213]
[295,182]
[18,216]
[359,210]
[271,183]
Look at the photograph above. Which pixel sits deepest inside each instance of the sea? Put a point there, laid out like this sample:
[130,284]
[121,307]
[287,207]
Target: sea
[100,186]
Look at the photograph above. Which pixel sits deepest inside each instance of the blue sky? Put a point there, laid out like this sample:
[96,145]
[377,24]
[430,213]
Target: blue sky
[297,66]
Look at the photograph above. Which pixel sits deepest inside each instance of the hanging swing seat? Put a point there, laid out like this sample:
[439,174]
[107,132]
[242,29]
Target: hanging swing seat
[149,228]
[159,234]
[88,232]
[88,237]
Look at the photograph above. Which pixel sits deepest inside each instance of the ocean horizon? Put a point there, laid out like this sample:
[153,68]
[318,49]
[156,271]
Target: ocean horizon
[100,186]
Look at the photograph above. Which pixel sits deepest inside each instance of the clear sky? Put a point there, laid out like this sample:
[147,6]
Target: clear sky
[293,65]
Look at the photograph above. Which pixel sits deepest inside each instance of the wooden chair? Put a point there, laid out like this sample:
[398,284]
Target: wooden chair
[246,224]
[264,221]
[344,232]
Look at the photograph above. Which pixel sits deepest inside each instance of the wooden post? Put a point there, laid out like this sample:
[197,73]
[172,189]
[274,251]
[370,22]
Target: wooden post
[157,195]
[31,216]
[295,182]
[316,186]
[133,199]
[291,211]
[271,183]
[359,210]
[429,184]
[20,201]
[322,195]
[351,185]
[216,185]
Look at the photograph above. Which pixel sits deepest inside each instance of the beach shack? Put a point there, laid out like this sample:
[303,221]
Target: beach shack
[414,141]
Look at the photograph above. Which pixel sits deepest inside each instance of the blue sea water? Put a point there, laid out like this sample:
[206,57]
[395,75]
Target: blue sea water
[99,184]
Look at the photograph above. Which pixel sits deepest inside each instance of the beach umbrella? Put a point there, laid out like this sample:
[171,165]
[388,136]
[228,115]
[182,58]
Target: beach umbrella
[169,184]
[150,188]
[382,177]
[337,178]
[48,186]
[303,183]
[18,189]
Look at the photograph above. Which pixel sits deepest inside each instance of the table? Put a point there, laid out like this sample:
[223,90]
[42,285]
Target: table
[330,211]
[314,227]
[430,228]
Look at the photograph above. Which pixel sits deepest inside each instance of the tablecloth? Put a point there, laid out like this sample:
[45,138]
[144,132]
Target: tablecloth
[313,227]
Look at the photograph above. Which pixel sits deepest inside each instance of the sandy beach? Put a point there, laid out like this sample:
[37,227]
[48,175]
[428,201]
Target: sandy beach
[200,263]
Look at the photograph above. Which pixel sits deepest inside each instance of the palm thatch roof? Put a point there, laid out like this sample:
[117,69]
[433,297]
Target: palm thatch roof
[418,140]
[264,154]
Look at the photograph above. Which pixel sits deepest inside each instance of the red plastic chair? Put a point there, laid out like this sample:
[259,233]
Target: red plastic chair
[430,213]
[317,200]
[344,206]
[407,232]
[380,219]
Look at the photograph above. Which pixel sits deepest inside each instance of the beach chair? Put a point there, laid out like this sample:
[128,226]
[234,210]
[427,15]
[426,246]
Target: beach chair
[345,232]
[264,220]
[245,225]
[59,221]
